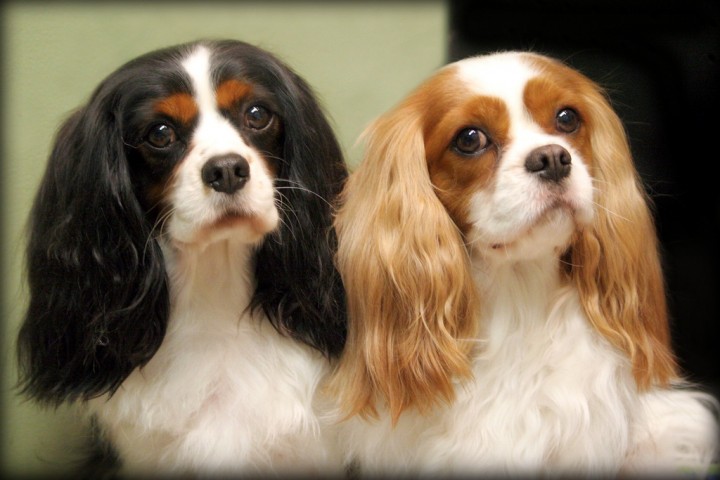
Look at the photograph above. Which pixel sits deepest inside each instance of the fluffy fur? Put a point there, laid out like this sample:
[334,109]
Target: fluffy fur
[180,264]
[506,301]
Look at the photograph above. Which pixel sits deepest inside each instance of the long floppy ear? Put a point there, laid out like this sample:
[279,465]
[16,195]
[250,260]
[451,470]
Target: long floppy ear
[616,262]
[98,300]
[411,298]
[298,286]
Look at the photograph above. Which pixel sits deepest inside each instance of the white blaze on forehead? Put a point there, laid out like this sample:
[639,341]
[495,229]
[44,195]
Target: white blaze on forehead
[501,75]
[197,65]
[214,135]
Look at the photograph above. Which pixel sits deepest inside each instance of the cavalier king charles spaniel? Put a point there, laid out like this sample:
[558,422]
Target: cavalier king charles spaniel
[506,306]
[180,265]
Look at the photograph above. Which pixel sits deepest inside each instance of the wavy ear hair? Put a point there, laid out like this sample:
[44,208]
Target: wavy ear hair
[98,300]
[298,286]
[411,298]
[616,262]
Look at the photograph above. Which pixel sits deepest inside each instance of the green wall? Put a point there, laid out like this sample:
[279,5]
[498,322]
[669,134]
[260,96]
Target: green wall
[361,58]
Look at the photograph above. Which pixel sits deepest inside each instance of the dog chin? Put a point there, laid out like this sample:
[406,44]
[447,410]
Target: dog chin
[550,233]
[238,227]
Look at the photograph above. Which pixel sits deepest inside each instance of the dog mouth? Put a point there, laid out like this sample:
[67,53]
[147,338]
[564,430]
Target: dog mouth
[230,218]
[550,222]
[233,219]
[230,223]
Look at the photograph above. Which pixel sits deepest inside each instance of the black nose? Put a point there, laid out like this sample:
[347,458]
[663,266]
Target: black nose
[226,173]
[549,162]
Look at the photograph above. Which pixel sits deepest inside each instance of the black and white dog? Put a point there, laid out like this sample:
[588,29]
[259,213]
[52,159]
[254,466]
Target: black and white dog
[180,263]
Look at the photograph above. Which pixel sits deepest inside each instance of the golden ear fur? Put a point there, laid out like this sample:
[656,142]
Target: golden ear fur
[616,263]
[411,298]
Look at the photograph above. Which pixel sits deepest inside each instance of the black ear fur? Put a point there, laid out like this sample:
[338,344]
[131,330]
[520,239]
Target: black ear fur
[298,287]
[98,300]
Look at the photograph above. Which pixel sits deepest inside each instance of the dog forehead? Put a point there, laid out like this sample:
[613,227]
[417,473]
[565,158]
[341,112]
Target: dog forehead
[214,134]
[500,75]
[197,65]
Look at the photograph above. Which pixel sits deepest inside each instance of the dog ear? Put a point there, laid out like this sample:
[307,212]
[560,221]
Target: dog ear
[616,262]
[298,286]
[98,300]
[411,298]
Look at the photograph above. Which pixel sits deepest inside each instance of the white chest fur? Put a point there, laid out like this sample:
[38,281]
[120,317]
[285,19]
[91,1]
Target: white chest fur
[225,392]
[548,394]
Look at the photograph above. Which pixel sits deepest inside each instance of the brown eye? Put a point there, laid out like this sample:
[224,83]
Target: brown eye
[567,120]
[161,136]
[257,117]
[470,141]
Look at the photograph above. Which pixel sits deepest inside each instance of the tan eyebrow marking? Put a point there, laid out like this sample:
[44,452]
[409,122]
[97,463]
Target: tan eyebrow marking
[230,91]
[179,106]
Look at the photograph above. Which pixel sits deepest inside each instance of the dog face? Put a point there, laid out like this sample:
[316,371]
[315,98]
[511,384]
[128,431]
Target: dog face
[510,156]
[206,152]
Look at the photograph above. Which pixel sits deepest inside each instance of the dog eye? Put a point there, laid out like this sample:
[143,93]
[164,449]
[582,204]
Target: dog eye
[161,136]
[567,120]
[470,141]
[258,117]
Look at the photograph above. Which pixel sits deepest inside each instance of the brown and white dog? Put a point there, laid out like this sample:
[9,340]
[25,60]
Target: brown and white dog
[506,300]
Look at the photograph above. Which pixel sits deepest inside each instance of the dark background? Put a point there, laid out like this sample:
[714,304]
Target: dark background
[658,62]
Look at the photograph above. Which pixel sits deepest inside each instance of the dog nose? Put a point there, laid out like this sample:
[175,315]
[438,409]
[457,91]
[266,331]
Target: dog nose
[549,162]
[226,173]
